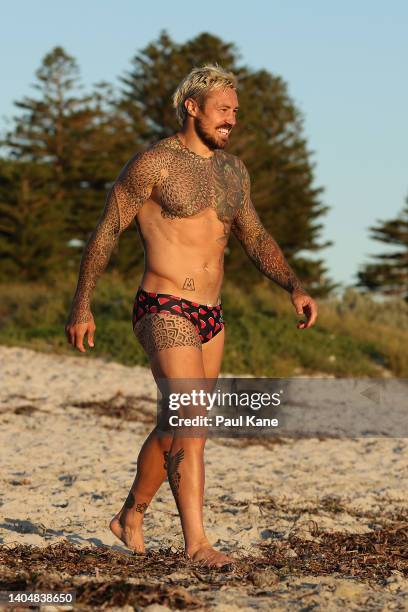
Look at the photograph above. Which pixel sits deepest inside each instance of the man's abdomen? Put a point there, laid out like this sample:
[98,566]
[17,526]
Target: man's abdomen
[185,256]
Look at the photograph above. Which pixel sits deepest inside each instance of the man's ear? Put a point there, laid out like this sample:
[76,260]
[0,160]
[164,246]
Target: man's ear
[191,106]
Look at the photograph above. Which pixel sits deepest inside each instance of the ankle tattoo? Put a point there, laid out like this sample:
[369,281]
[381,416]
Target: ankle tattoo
[130,504]
[171,463]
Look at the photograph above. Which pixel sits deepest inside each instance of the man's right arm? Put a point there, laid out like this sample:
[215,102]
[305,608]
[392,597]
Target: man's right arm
[126,197]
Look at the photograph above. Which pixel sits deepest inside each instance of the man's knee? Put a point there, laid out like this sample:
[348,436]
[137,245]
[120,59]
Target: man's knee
[164,435]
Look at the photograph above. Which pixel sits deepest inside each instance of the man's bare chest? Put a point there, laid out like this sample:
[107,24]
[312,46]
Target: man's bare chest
[189,186]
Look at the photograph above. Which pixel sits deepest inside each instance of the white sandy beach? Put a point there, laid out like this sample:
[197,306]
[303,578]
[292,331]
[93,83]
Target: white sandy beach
[65,471]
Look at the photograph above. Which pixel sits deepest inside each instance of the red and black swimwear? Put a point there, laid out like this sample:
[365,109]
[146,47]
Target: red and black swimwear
[207,320]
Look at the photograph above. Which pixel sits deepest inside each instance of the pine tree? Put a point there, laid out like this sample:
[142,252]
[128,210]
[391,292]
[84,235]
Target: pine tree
[45,144]
[268,138]
[67,148]
[389,274]
[30,246]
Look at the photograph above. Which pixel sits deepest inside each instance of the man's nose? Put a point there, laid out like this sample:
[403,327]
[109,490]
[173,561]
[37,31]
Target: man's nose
[232,119]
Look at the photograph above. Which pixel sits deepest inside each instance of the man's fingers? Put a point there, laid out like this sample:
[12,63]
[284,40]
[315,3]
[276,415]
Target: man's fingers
[311,315]
[298,305]
[79,342]
[69,335]
[76,335]
[91,337]
[309,308]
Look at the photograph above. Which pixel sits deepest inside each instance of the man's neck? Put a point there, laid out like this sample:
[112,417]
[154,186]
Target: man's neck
[190,139]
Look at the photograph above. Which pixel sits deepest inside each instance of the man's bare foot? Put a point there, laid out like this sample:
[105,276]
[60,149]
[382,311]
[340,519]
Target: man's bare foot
[206,555]
[129,529]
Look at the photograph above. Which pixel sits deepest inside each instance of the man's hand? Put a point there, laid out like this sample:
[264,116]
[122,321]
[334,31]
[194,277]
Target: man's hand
[304,304]
[76,332]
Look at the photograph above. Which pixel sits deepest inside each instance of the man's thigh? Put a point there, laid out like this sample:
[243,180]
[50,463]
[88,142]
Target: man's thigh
[172,344]
[179,362]
[179,371]
[190,361]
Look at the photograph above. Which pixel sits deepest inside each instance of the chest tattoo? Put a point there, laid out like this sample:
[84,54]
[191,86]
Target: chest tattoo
[194,183]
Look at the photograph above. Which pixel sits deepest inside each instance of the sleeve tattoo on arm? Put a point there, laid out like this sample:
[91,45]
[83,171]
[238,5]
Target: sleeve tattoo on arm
[259,245]
[124,200]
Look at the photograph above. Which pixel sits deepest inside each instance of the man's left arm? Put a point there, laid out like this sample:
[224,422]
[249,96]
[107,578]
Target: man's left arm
[265,253]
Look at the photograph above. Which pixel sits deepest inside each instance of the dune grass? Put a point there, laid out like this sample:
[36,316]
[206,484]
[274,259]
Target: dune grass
[355,335]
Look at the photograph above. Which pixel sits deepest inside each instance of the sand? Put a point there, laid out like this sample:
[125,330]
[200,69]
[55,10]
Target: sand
[66,471]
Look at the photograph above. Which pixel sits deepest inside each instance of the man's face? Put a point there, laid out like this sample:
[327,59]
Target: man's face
[214,122]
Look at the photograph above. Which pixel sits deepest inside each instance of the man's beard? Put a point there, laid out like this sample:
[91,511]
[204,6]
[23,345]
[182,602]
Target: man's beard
[207,138]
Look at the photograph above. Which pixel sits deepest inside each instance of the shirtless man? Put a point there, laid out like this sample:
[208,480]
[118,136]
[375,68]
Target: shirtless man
[185,194]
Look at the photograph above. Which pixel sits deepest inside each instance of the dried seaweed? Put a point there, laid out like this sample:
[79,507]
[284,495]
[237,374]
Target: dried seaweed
[105,577]
[123,407]
[370,557]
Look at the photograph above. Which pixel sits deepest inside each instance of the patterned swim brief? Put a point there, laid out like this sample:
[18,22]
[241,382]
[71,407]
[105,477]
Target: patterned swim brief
[207,320]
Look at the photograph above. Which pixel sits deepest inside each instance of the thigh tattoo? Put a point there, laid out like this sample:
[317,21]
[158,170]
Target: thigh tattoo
[156,332]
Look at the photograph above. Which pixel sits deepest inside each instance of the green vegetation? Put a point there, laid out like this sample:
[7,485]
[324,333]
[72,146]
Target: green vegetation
[389,272]
[354,336]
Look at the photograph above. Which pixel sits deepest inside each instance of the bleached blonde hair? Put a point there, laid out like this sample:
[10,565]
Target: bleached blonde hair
[198,83]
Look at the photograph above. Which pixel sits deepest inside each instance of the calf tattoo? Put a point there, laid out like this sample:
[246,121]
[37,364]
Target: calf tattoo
[131,505]
[189,284]
[171,464]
